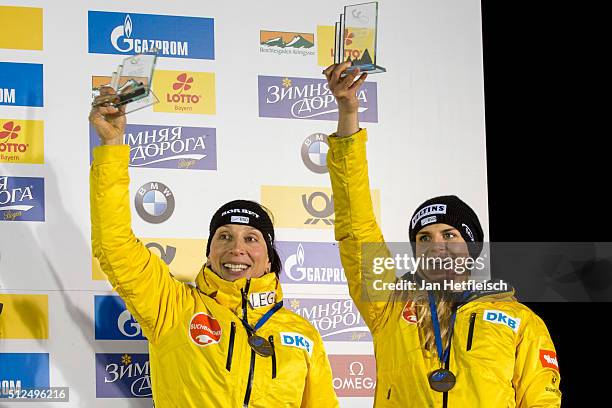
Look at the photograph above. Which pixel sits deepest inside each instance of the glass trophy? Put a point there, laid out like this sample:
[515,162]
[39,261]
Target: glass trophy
[132,83]
[355,38]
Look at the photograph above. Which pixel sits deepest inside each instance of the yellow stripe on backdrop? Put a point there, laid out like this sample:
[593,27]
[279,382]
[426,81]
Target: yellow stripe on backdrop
[21,28]
[24,316]
[184,256]
[305,207]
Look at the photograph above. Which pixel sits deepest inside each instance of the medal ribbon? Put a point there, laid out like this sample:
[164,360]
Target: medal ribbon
[262,320]
[442,354]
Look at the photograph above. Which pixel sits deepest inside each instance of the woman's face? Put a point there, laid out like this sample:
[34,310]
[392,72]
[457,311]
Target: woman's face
[238,251]
[443,249]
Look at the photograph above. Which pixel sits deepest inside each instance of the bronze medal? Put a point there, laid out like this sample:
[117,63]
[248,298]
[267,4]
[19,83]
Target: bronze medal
[442,380]
[260,345]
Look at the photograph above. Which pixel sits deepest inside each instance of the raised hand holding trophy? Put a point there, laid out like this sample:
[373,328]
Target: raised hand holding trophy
[132,83]
[358,25]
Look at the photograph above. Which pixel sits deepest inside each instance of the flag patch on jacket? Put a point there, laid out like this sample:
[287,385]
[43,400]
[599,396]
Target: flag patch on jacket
[548,358]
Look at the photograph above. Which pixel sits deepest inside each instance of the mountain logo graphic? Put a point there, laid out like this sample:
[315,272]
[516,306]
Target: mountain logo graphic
[282,39]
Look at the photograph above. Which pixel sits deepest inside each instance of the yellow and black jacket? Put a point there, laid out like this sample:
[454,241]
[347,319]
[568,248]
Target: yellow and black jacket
[198,350]
[496,365]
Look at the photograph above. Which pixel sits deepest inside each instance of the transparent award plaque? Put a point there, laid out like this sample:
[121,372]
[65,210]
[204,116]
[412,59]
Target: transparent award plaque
[355,40]
[132,82]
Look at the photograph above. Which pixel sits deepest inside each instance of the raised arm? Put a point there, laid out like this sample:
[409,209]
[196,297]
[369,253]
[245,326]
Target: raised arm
[142,279]
[536,370]
[355,222]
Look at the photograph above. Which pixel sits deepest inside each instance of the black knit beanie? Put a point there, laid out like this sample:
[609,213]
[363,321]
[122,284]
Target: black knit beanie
[452,211]
[245,212]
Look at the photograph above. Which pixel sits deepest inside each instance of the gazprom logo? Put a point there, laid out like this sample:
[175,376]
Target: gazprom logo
[133,33]
[499,317]
[113,320]
[21,84]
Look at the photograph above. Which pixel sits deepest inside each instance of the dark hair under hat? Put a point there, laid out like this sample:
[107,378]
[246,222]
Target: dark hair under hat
[245,212]
[449,210]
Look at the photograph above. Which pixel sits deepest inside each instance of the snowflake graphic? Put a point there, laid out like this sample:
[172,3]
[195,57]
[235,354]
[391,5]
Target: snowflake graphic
[10,131]
[295,304]
[183,83]
[126,359]
[286,82]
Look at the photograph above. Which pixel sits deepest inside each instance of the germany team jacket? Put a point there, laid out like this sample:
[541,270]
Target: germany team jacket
[501,352]
[198,350]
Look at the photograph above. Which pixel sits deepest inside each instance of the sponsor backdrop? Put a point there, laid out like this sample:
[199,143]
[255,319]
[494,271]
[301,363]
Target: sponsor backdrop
[243,112]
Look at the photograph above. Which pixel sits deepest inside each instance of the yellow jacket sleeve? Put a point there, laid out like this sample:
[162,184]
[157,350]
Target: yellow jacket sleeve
[142,279]
[355,223]
[536,371]
[319,390]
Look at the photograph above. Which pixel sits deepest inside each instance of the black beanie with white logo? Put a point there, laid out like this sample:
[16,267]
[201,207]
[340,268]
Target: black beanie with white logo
[453,211]
[245,212]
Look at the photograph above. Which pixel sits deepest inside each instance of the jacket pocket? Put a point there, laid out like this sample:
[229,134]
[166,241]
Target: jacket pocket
[471,332]
[230,348]
[273,356]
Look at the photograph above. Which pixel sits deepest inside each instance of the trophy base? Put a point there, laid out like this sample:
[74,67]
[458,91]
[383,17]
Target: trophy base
[368,68]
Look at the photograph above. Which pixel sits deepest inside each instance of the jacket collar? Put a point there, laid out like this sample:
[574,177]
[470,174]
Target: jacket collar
[229,294]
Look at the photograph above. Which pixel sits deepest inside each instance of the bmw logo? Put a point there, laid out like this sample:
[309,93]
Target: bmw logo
[154,202]
[314,152]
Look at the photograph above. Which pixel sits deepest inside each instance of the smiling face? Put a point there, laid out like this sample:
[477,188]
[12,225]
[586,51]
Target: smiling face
[436,243]
[238,251]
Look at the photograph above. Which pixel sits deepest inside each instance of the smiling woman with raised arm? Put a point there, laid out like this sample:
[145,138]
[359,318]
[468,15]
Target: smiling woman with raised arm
[227,342]
[450,348]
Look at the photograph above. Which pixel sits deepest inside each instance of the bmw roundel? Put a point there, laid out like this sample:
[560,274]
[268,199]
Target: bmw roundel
[154,202]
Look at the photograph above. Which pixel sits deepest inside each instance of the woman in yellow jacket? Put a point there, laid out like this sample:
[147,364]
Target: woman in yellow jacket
[227,342]
[433,348]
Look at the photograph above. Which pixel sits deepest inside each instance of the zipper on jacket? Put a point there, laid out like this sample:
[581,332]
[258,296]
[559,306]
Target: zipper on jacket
[230,351]
[247,395]
[471,331]
[271,340]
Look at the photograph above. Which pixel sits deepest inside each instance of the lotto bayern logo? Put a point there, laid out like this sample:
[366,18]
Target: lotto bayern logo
[154,202]
[185,92]
[21,141]
[133,33]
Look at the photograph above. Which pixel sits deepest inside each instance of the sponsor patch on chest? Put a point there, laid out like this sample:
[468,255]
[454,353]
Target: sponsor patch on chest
[298,340]
[204,330]
[499,317]
[409,313]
